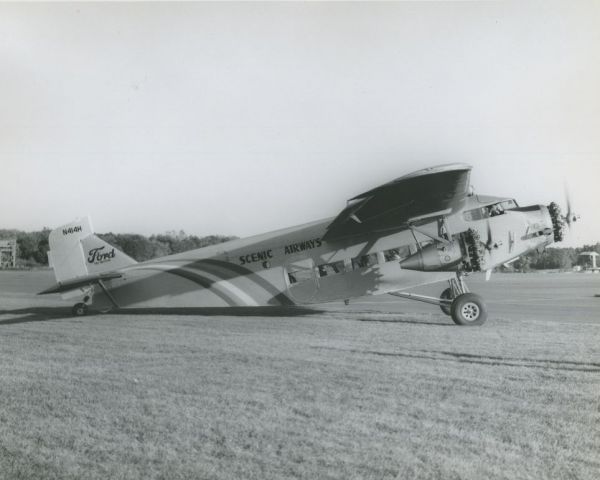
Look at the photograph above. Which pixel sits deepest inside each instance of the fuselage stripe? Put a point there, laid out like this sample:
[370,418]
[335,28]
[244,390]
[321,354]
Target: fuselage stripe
[227,270]
[215,286]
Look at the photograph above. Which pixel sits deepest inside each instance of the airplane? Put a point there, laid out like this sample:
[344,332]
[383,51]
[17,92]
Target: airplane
[422,228]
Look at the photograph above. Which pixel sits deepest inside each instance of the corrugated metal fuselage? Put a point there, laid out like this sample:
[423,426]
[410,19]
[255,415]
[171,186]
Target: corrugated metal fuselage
[282,267]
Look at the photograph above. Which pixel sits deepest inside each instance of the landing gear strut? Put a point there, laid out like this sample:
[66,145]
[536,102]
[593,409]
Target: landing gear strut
[446,295]
[464,307]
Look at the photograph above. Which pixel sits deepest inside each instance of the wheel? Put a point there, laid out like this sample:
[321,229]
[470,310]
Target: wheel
[79,309]
[468,309]
[446,294]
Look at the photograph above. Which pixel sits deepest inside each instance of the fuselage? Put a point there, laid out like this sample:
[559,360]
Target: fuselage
[297,266]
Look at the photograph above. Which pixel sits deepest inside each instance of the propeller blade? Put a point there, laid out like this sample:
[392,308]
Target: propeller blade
[570,216]
[489,242]
[568,200]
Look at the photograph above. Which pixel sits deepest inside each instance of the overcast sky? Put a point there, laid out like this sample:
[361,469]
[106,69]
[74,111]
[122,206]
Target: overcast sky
[243,118]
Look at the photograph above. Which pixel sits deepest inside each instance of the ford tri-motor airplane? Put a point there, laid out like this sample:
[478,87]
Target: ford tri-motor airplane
[421,228]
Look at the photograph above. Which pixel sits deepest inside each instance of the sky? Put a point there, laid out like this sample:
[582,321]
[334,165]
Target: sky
[241,118]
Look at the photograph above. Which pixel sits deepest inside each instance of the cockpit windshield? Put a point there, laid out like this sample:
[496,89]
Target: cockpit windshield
[489,210]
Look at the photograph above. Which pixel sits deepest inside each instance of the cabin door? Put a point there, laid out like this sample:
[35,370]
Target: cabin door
[301,279]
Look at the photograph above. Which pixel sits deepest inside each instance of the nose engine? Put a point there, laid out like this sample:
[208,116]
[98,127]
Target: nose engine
[492,241]
[558,221]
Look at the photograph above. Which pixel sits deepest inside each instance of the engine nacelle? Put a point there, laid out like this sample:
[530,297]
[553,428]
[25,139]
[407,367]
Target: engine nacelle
[435,257]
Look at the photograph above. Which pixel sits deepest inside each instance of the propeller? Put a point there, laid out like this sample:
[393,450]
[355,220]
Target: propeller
[489,244]
[570,217]
[559,220]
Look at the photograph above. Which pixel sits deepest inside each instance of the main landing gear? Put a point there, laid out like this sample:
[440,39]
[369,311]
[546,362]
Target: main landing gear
[464,307]
[468,309]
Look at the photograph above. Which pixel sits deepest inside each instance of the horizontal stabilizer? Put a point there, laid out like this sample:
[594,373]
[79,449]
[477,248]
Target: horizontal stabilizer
[79,282]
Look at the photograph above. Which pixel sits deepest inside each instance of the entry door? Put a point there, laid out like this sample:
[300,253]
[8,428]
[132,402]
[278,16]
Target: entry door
[301,278]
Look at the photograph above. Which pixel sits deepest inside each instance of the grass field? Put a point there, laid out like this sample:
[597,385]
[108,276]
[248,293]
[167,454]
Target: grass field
[380,389]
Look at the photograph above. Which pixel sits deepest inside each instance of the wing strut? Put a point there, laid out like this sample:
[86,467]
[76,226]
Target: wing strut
[108,294]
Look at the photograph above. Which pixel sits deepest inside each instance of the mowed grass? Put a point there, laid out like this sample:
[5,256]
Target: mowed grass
[350,392]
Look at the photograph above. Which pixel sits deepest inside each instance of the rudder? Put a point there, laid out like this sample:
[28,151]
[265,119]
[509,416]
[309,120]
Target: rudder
[76,252]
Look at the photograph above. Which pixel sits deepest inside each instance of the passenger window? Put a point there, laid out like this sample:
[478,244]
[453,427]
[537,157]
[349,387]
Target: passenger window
[299,273]
[364,261]
[334,268]
[395,254]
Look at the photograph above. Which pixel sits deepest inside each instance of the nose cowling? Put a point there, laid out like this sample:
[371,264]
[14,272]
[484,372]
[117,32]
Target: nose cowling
[558,222]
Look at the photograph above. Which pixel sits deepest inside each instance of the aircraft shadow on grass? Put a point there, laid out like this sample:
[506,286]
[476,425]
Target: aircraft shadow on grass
[271,311]
[40,314]
[34,314]
[414,321]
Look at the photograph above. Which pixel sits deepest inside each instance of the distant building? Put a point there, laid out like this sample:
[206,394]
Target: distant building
[8,253]
[588,260]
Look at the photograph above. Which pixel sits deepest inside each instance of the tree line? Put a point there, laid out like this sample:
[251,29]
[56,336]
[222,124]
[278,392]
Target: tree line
[554,258]
[32,248]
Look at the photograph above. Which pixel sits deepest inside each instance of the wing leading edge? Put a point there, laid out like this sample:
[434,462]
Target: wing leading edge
[426,193]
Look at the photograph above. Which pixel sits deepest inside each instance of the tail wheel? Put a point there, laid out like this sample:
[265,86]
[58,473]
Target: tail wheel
[468,309]
[79,309]
[446,295]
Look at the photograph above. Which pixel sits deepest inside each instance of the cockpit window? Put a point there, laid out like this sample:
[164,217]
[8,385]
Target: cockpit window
[489,211]
[495,210]
[508,204]
[475,214]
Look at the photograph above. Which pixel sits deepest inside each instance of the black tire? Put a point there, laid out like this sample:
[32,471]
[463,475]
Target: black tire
[79,309]
[447,295]
[468,309]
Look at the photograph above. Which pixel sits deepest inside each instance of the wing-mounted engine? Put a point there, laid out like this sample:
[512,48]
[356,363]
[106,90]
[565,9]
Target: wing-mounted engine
[435,257]
[465,252]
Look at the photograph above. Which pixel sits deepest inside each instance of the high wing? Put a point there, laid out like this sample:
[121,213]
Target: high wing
[426,193]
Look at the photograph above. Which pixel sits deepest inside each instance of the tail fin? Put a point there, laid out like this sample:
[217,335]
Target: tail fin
[76,252]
